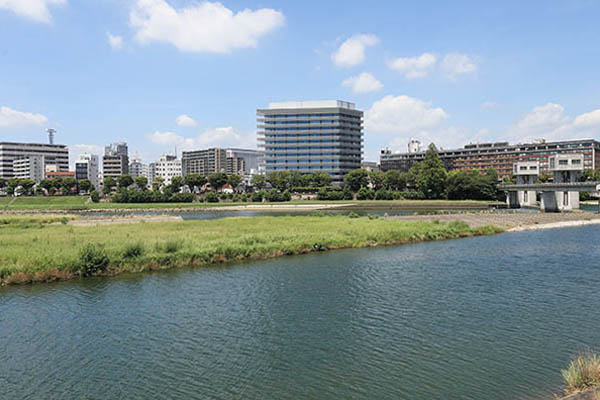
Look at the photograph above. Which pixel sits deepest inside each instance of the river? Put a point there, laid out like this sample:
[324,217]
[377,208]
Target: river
[479,318]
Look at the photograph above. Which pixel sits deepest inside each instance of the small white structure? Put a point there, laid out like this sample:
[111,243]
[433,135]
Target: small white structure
[414,146]
[526,172]
[566,168]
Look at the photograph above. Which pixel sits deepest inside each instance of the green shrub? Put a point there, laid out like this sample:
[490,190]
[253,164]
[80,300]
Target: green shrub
[95,196]
[257,197]
[133,250]
[365,194]
[211,197]
[92,260]
[583,373]
[171,246]
[352,214]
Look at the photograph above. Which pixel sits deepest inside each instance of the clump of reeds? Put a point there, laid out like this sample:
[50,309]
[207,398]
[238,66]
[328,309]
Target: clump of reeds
[583,373]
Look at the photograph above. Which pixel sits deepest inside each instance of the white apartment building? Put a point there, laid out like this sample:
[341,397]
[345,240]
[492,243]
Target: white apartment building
[87,167]
[167,167]
[29,167]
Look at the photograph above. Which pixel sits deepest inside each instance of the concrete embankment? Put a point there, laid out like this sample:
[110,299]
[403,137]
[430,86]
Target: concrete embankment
[513,222]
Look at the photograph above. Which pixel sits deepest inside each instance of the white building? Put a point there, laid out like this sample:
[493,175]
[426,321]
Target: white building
[167,167]
[29,167]
[87,167]
[138,169]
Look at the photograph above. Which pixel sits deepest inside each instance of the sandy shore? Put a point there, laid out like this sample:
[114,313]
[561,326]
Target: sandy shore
[513,222]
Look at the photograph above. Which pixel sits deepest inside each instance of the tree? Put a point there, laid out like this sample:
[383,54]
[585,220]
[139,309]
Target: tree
[357,179]
[194,181]
[258,181]
[234,180]
[26,186]
[321,179]
[85,185]
[279,180]
[376,179]
[95,196]
[157,184]
[217,180]
[47,184]
[176,184]
[307,180]
[394,180]
[124,181]
[108,185]
[429,175]
[294,179]
[58,183]
[141,182]
[69,186]
[3,183]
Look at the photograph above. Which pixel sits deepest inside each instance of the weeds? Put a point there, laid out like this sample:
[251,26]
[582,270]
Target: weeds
[583,373]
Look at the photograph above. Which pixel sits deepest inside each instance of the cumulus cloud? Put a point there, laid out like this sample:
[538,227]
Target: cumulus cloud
[217,137]
[352,50]
[402,114]
[115,41]
[36,10]
[414,67]
[363,83]
[10,118]
[455,65]
[550,122]
[202,27]
[185,120]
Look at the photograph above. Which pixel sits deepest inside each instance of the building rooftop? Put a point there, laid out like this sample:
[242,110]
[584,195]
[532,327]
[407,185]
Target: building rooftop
[311,104]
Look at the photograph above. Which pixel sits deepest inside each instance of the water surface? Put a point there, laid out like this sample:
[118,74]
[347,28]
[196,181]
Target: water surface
[480,318]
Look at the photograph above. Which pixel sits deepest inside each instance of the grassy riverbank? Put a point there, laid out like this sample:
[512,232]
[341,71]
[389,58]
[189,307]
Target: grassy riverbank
[74,203]
[34,252]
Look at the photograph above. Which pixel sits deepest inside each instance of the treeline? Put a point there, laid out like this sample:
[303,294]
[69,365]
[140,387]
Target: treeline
[54,187]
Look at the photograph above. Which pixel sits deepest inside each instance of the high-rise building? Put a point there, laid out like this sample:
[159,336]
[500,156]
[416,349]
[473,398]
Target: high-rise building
[87,167]
[56,154]
[29,167]
[115,161]
[167,167]
[204,162]
[311,136]
[501,156]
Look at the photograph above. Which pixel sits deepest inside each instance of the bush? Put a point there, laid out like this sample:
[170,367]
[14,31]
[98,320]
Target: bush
[383,194]
[352,214]
[274,195]
[211,197]
[133,250]
[182,198]
[365,194]
[257,197]
[330,193]
[95,196]
[171,246]
[92,260]
[583,373]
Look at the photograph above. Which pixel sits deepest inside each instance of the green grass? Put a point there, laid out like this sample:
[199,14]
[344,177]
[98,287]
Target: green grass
[78,203]
[42,253]
[583,373]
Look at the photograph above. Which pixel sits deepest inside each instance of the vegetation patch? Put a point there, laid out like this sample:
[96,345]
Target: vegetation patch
[583,373]
[44,253]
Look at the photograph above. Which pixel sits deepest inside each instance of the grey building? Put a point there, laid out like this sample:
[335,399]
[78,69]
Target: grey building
[30,167]
[243,161]
[115,161]
[311,136]
[53,154]
[86,167]
[230,161]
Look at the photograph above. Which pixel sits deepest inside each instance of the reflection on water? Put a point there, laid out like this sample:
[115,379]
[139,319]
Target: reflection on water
[480,318]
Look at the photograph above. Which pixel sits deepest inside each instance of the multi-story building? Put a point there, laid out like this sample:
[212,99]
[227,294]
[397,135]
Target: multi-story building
[137,168]
[501,156]
[115,161]
[246,161]
[204,162]
[29,167]
[167,167]
[311,136]
[57,154]
[87,167]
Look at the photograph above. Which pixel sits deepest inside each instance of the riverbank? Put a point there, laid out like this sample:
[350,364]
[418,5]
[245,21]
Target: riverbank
[38,252]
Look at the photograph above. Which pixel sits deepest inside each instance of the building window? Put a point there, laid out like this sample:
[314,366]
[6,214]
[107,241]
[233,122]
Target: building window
[566,198]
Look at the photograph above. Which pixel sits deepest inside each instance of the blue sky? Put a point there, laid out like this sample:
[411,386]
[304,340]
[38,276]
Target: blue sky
[166,74]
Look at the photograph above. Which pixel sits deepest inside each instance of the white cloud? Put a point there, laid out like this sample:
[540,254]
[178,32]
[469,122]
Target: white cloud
[455,64]
[202,27]
[217,137]
[186,120]
[363,83]
[10,118]
[550,122]
[352,51]
[36,10]
[414,67]
[115,41]
[401,115]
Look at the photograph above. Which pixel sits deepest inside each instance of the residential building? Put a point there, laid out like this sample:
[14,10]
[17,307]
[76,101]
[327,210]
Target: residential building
[204,162]
[311,136]
[501,155]
[167,167]
[57,154]
[51,174]
[243,161]
[87,167]
[138,169]
[369,166]
[115,161]
[29,167]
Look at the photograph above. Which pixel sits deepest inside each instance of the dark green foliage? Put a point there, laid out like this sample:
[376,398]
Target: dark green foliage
[274,195]
[429,175]
[217,180]
[234,180]
[383,194]
[141,182]
[357,179]
[352,214]
[92,260]
[365,194]
[108,185]
[257,197]
[124,181]
[376,178]
[258,181]
[95,196]
[84,185]
[133,250]
[471,185]
[211,197]
[394,180]
[330,193]
[195,181]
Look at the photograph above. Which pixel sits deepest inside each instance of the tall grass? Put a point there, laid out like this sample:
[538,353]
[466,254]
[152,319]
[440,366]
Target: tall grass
[39,253]
[583,373]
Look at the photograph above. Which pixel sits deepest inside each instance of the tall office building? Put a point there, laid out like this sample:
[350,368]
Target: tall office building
[55,154]
[311,136]
[87,167]
[115,161]
[167,167]
[138,169]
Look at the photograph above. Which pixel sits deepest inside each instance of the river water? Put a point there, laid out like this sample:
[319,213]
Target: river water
[479,318]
